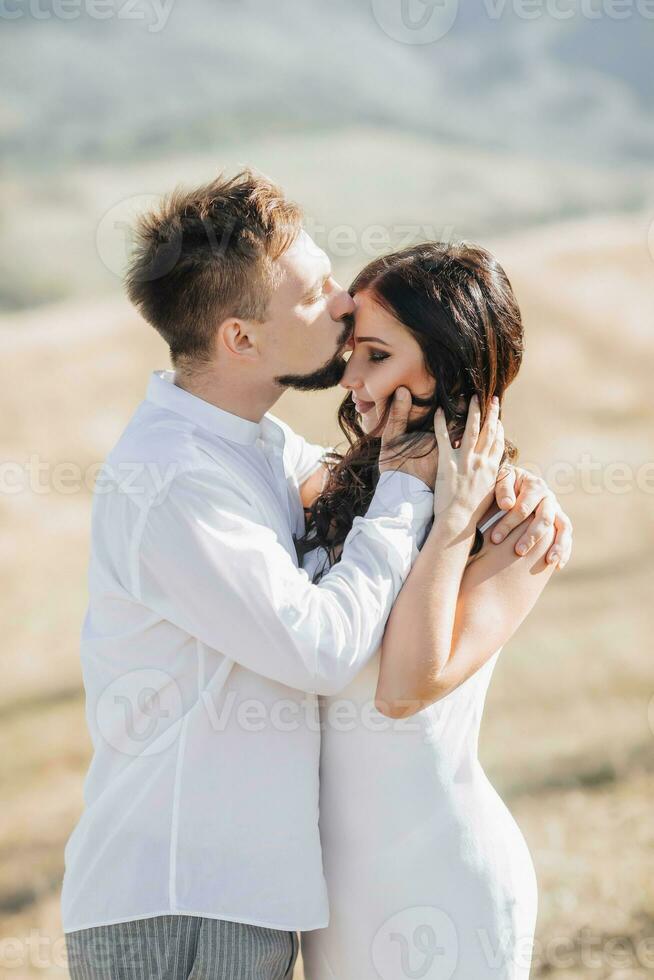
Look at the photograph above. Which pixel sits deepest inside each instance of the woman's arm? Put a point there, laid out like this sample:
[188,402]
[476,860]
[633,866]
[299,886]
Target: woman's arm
[453,613]
[313,485]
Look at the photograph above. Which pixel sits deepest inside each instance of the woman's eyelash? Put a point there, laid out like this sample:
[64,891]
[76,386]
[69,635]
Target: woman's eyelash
[378,355]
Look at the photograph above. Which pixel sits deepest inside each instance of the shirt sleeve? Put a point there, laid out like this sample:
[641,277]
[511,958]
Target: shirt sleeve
[302,457]
[207,563]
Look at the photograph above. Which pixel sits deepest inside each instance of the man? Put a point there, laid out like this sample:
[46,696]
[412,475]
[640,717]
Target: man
[204,645]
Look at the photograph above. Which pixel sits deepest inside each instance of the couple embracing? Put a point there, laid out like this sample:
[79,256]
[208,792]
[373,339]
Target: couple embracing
[287,649]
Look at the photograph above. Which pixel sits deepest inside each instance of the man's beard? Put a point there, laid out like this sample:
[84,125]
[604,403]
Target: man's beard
[328,375]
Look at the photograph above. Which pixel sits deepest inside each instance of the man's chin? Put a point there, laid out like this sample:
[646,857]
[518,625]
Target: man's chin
[327,376]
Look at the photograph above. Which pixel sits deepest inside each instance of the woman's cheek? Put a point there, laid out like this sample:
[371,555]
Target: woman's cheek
[384,390]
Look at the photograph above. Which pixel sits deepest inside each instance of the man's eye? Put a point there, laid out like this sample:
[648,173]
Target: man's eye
[378,355]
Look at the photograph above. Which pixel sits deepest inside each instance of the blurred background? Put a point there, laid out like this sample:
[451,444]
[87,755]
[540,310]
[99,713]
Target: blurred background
[525,125]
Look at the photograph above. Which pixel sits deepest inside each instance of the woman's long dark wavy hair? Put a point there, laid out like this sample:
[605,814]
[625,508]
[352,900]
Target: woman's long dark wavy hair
[458,304]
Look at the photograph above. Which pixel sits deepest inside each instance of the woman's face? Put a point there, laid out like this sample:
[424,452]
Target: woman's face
[384,356]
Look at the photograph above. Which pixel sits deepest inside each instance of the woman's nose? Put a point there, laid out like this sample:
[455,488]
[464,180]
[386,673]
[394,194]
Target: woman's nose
[350,379]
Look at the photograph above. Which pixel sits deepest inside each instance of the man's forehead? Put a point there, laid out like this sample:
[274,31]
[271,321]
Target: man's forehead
[306,258]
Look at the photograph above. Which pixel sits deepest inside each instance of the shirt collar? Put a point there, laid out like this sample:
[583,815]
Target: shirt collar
[163,391]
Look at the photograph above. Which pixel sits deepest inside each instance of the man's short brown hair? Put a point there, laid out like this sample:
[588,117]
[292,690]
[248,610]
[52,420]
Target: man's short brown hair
[207,254]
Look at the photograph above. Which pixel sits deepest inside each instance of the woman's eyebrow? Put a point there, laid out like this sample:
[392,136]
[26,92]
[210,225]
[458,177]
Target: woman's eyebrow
[377,340]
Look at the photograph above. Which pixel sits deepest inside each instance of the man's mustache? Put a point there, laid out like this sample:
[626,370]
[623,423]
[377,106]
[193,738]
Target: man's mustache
[331,373]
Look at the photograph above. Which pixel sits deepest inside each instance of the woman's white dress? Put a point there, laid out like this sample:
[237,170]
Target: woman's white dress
[428,873]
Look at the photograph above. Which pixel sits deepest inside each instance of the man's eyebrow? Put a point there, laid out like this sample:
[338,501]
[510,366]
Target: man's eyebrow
[318,284]
[377,340]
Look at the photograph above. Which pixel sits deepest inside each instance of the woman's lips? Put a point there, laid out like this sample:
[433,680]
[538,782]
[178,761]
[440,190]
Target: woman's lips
[363,407]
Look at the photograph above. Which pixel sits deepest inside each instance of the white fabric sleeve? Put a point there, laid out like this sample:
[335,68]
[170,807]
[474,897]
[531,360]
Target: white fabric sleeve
[206,562]
[301,457]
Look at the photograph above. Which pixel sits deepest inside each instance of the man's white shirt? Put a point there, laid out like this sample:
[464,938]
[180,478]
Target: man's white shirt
[203,650]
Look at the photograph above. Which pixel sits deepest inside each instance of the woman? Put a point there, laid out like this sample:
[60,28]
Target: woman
[428,874]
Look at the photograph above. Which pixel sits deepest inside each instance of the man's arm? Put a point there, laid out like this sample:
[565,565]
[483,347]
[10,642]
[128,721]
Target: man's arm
[527,499]
[524,495]
[206,562]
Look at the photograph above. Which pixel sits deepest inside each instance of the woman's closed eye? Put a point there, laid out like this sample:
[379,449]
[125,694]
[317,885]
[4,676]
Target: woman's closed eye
[378,355]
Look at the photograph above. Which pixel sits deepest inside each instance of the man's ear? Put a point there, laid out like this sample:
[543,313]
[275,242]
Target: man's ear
[236,337]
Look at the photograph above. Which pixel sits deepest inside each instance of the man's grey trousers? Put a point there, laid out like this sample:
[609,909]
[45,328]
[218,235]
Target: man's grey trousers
[181,947]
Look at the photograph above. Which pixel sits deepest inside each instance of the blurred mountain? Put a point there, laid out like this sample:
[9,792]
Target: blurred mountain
[512,116]
[157,76]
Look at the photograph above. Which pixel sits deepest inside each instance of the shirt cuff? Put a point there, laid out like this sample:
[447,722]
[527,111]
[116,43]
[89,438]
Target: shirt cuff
[400,511]
[400,494]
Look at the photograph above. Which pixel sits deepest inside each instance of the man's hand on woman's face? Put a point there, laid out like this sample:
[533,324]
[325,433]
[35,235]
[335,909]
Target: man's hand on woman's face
[522,494]
[424,466]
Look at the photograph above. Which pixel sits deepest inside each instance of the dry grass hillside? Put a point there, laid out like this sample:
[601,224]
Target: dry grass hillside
[566,737]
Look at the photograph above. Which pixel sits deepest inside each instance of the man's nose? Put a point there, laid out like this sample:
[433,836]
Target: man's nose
[341,304]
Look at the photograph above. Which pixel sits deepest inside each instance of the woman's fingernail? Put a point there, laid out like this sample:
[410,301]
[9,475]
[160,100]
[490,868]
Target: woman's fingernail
[522,548]
[497,536]
[506,502]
